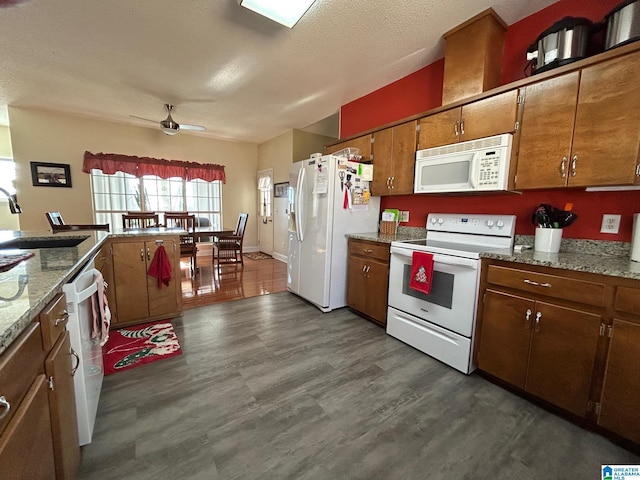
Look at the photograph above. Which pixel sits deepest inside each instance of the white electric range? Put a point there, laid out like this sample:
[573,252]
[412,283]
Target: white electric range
[442,323]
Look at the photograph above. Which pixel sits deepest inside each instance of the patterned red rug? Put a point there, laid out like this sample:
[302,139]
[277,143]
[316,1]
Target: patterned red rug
[139,344]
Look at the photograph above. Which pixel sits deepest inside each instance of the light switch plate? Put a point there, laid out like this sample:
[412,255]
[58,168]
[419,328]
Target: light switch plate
[610,223]
[404,216]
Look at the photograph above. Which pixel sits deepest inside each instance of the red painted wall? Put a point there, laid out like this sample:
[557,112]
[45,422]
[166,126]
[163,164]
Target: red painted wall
[413,94]
[589,206]
[422,91]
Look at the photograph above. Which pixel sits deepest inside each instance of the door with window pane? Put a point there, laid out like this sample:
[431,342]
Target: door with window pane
[265,211]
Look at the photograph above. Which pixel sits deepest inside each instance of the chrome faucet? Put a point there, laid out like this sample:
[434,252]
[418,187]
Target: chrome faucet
[13,202]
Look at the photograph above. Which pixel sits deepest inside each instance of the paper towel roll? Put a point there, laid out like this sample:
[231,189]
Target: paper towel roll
[635,238]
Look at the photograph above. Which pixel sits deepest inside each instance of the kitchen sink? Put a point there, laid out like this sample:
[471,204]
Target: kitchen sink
[30,243]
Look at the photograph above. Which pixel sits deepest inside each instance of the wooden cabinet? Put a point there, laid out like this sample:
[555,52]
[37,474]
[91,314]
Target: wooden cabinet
[394,153]
[484,118]
[569,338]
[536,338]
[368,279]
[59,369]
[363,144]
[545,349]
[138,296]
[619,410]
[26,442]
[581,129]
[473,56]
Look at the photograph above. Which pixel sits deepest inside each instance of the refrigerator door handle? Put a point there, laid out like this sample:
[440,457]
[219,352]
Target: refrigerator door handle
[299,206]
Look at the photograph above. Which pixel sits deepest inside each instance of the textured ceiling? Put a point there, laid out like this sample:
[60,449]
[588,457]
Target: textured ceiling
[240,75]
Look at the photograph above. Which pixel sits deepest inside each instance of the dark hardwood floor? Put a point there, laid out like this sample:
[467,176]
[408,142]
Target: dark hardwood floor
[269,387]
[213,285]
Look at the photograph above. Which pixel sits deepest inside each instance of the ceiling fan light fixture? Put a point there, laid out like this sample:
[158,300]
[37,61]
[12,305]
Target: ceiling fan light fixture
[285,12]
[169,127]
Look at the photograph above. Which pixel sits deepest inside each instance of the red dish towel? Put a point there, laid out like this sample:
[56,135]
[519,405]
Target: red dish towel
[160,267]
[421,272]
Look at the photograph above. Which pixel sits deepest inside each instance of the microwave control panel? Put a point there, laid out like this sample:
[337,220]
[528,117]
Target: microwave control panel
[489,170]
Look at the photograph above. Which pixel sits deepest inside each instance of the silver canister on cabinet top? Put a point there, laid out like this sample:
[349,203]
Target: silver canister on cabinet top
[622,24]
[563,42]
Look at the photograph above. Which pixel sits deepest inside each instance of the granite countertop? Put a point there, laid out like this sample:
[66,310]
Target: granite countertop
[404,233]
[592,256]
[27,288]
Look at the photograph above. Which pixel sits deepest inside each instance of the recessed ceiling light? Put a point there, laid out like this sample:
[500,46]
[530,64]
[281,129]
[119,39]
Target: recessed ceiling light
[285,12]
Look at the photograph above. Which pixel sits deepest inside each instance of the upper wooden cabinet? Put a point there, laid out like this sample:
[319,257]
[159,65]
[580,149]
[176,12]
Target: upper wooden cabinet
[362,143]
[394,153]
[581,129]
[473,56]
[483,118]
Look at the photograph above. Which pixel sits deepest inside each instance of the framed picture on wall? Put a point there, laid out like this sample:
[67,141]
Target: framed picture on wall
[50,174]
[280,189]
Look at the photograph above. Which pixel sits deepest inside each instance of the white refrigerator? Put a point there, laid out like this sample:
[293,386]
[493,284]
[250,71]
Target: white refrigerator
[329,197]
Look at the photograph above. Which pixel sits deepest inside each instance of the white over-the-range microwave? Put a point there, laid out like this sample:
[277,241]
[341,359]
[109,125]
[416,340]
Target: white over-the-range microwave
[477,165]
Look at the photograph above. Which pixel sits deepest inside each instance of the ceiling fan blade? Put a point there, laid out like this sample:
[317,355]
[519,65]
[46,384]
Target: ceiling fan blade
[192,127]
[145,119]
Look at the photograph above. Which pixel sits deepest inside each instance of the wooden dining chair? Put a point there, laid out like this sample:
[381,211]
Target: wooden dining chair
[140,220]
[188,246]
[227,249]
[57,224]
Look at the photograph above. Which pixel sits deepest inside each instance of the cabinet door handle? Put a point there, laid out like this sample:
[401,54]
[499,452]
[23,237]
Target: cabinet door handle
[364,268]
[462,127]
[4,403]
[455,128]
[368,268]
[574,160]
[64,317]
[367,250]
[536,284]
[538,317]
[75,354]
[392,179]
[148,254]
[142,254]
[527,319]
[563,167]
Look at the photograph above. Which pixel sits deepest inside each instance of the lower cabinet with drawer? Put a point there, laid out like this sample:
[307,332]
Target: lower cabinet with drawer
[569,338]
[368,279]
[38,423]
[60,365]
[620,401]
[26,441]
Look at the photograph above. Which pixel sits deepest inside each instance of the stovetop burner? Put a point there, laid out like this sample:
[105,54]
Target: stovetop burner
[465,235]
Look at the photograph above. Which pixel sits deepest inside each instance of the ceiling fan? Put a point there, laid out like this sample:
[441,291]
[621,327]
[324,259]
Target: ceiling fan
[169,126]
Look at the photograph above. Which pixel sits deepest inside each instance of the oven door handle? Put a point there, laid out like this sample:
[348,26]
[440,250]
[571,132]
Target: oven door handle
[439,259]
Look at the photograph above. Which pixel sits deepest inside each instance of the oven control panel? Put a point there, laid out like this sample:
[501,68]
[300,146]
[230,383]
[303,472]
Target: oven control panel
[476,224]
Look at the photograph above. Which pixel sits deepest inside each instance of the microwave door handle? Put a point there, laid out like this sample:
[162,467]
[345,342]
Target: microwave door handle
[474,171]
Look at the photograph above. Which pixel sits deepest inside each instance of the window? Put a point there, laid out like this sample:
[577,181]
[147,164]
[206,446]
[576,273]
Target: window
[265,188]
[119,193]
[7,174]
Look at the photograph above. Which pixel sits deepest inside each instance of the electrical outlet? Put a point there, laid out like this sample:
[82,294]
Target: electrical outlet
[610,223]
[404,215]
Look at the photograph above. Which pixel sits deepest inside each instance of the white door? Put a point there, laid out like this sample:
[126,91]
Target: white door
[265,211]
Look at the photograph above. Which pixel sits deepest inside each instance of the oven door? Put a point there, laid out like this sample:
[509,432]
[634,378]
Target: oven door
[451,303]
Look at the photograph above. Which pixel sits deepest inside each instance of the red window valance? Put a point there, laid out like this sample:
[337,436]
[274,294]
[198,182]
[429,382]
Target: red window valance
[110,163]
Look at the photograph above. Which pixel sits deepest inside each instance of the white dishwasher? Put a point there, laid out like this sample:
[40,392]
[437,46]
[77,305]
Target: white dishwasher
[89,373]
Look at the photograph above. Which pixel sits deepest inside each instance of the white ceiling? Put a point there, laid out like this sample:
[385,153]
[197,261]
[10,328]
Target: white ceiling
[240,75]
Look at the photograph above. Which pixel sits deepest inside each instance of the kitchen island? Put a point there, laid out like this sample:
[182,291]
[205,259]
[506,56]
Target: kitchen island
[29,286]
